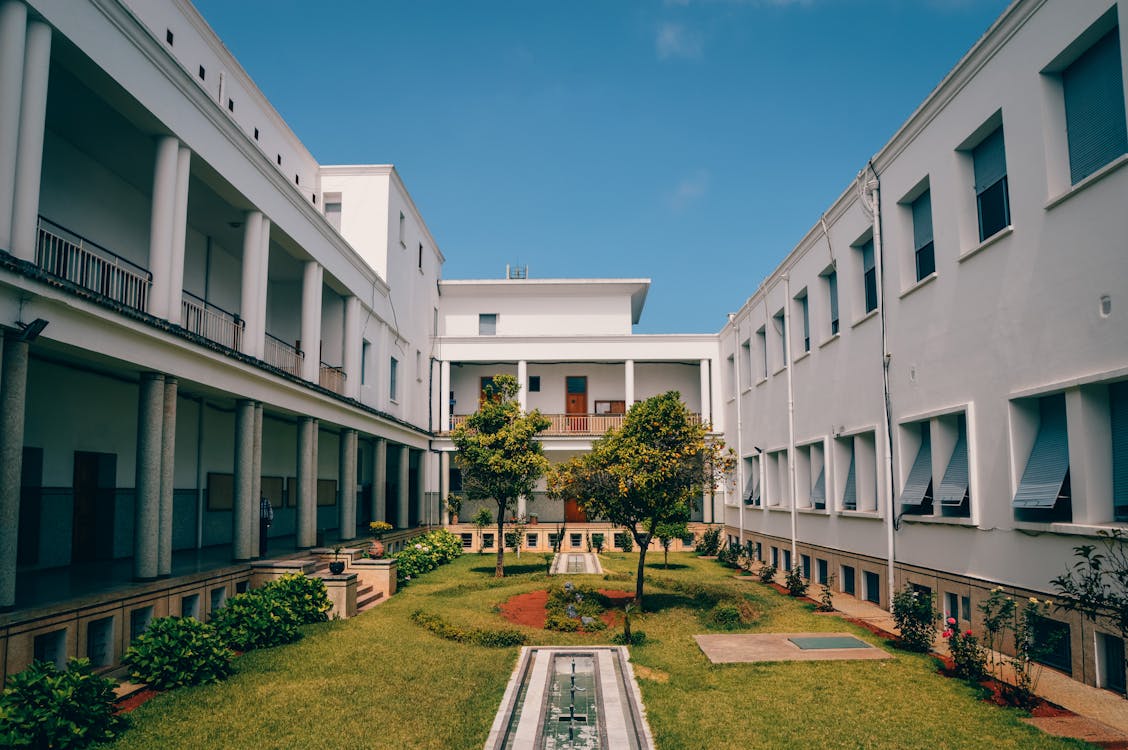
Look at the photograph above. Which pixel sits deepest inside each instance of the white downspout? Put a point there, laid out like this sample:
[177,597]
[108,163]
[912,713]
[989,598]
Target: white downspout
[739,432]
[790,419]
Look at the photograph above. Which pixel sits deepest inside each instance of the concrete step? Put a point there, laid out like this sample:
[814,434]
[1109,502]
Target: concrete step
[368,602]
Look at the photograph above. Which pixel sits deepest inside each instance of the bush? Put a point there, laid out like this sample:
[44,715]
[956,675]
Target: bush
[304,598]
[731,555]
[625,541]
[490,637]
[710,542]
[796,584]
[426,553]
[731,614]
[913,613]
[767,573]
[178,651]
[45,708]
[968,655]
[251,621]
[637,638]
[597,543]
[826,598]
[570,608]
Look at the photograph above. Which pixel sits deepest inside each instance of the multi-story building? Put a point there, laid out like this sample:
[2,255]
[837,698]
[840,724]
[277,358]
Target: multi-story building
[930,389]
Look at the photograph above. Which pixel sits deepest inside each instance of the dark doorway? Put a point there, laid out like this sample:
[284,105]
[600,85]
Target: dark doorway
[92,533]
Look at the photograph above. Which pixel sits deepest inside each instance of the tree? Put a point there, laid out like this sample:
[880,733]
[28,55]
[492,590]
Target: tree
[647,473]
[499,454]
[667,532]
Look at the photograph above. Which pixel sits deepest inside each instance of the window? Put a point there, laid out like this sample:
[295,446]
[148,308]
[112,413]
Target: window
[487,324]
[297,180]
[402,227]
[762,345]
[279,157]
[392,378]
[955,492]
[869,275]
[487,541]
[821,567]
[365,347]
[231,105]
[850,489]
[965,608]
[916,495]
[1044,494]
[435,322]
[420,256]
[787,560]
[817,465]
[832,299]
[534,384]
[805,319]
[333,213]
[168,36]
[752,481]
[951,606]
[923,245]
[1110,649]
[1118,406]
[256,134]
[575,540]
[467,540]
[1053,638]
[203,74]
[991,197]
[775,557]
[873,587]
[745,366]
[779,322]
[1093,88]
[848,579]
[730,369]
[805,566]
[531,540]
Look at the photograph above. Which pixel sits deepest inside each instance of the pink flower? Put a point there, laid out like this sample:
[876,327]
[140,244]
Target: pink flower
[947,634]
[951,621]
[968,634]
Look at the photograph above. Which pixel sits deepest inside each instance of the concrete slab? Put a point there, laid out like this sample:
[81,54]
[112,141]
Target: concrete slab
[576,563]
[763,647]
[1078,727]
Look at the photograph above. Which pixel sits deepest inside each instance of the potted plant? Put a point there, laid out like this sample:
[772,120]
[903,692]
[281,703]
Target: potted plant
[377,529]
[337,566]
[533,519]
[454,505]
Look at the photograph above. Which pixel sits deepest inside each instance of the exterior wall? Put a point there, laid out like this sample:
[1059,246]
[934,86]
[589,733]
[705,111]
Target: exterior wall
[537,310]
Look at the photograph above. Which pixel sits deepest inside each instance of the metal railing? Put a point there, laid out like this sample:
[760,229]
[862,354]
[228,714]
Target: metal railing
[213,323]
[62,253]
[278,353]
[573,424]
[332,378]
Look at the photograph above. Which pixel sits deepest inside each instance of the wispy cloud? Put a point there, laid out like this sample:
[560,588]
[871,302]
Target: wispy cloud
[674,40]
[691,189]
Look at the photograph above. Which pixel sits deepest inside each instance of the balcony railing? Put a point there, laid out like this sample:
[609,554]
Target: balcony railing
[213,323]
[332,378]
[573,424]
[60,252]
[283,356]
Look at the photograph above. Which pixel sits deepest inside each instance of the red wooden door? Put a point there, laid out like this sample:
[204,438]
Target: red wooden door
[575,403]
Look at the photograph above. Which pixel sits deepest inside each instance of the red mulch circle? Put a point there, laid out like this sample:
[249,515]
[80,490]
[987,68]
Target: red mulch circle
[1043,709]
[528,609]
[127,704]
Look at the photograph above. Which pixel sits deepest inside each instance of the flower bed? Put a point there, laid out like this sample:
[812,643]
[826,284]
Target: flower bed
[428,552]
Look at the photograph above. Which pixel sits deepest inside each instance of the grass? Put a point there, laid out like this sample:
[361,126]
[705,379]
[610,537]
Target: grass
[378,680]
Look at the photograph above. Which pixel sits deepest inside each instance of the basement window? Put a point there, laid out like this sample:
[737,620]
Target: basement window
[203,74]
[168,36]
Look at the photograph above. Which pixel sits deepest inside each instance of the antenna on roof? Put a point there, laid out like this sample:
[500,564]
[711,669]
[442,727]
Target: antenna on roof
[516,271]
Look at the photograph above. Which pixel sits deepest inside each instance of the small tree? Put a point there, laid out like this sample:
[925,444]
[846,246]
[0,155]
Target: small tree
[482,519]
[667,532]
[499,453]
[646,473]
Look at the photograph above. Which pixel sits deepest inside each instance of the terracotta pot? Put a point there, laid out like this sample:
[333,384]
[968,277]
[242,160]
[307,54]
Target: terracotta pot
[376,549]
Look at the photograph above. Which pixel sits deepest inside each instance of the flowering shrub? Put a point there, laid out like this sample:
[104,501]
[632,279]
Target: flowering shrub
[796,584]
[425,553]
[968,655]
[571,607]
[767,573]
[377,529]
[915,618]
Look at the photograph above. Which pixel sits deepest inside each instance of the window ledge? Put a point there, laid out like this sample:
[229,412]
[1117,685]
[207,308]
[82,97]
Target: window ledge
[1068,529]
[946,520]
[833,337]
[730,399]
[801,357]
[1004,232]
[1092,179]
[923,282]
[777,372]
[813,511]
[871,514]
[865,317]
[746,390]
[762,380]
[780,508]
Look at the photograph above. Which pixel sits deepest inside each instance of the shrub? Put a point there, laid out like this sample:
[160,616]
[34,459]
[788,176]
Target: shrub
[730,614]
[710,542]
[636,638]
[731,555]
[45,708]
[570,607]
[626,542]
[913,613]
[490,637]
[968,655]
[251,621]
[178,651]
[826,598]
[304,598]
[426,553]
[597,543]
[796,584]
[767,573]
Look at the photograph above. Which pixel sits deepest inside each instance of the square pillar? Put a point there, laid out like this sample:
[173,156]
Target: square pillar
[256,482]
[628,384]
[523,384]
[305,525]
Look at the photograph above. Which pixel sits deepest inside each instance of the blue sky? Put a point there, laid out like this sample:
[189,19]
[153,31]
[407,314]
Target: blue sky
[692,142]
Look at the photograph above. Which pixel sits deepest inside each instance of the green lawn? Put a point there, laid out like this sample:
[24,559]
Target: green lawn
[379,680]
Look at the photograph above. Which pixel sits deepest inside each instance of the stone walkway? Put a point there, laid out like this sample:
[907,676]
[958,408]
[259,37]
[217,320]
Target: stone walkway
[735,648]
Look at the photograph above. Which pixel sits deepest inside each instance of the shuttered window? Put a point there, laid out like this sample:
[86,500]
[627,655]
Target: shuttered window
[487,324]
[918,486]
[992,199]
[954,485]
[922,235]
[1118,404]
[818,490]
[869,276]
[752,489]
[850,493]
[1048,465]
[832,293]
[1094,107]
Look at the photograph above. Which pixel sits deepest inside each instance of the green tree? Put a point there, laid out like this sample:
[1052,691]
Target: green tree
[647,473]
[499,453]
[667,532]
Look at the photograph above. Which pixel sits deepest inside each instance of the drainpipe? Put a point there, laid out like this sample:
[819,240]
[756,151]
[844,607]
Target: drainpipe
[790,419]
[739,433]
[873,186]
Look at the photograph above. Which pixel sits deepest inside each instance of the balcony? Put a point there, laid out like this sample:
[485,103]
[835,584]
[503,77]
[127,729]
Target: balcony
[573,425]
[213,323]
[71,257]
[332,378]
[277,353]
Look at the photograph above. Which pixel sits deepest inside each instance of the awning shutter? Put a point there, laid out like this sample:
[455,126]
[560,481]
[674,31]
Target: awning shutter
[818,490]
[1049,459]
[920,476]
[990,161]
[850,495]
[953,487]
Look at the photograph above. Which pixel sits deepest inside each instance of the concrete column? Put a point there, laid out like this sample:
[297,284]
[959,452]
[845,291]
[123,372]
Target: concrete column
[249,290]
[256,480]
[245,505]
[706,412]
[311,320]
[29,153]
[444,396]
[147,503]
[380,480]
[314,474]
[403,499]
[259,341]
[421,488]
[346,480]
[444,485]
[161,222]
[1089,421]
[168,464]
[179,235]
[306,503]
[522,506]
[13,32]
[523,384]
[13,391]
[351,346]
[628,383]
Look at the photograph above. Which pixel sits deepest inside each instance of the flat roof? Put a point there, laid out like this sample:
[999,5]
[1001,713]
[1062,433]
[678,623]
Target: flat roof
[636,288]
